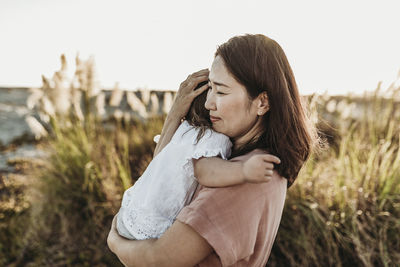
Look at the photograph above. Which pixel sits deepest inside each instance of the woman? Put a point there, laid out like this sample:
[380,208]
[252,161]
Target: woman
[253,99]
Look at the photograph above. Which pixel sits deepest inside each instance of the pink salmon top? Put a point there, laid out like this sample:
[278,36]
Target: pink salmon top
[240,222]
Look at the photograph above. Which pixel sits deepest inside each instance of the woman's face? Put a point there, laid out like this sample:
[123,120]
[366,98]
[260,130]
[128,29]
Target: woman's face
[231,111]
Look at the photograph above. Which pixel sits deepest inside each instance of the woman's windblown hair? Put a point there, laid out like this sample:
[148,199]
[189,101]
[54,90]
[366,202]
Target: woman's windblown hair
[260,64]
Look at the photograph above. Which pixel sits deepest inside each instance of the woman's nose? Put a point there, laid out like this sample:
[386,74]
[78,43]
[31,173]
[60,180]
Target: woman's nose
[210,103]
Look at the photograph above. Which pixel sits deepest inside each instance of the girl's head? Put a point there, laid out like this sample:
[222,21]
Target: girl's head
[254,100]
[198,115]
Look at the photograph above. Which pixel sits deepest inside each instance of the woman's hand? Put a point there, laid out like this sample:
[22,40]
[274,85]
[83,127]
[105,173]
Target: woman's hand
[187,93]
[119,245]
[184,98]
[180,245]
[112,234]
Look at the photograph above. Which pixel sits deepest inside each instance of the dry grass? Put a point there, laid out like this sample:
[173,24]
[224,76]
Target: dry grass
[343,210]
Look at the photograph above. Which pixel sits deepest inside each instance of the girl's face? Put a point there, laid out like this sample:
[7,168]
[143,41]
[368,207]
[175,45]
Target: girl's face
[231,111]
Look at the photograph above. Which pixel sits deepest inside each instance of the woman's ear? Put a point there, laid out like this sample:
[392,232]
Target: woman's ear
[263,104]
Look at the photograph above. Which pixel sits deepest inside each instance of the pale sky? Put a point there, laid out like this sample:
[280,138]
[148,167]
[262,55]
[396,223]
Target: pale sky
[338,46]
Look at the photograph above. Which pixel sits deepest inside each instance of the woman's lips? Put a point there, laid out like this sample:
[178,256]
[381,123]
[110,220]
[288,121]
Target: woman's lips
[214,119]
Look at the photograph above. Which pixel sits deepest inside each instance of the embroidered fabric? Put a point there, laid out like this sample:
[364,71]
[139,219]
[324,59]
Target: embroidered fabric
[151,205]
[139,224]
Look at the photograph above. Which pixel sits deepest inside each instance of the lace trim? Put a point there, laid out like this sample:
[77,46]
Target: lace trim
[142,225]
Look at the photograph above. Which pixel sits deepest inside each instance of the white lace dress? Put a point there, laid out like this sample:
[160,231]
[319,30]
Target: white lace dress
[151,205]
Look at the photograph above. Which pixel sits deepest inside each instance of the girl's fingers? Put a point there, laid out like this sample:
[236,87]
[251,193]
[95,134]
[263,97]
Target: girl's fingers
[271,158]
[268,173]
[266,178]
[269,165]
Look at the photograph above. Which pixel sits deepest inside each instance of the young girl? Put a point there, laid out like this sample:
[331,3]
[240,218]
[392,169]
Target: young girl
[151,205]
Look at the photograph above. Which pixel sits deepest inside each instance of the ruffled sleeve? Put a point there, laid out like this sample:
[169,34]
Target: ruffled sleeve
[212,144]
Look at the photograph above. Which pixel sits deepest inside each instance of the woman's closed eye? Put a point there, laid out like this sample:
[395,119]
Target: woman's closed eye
[218,92]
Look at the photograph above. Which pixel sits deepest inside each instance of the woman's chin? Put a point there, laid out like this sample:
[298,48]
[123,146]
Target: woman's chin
[217,128]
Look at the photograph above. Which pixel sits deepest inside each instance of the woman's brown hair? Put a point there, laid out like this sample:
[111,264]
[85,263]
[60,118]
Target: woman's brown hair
[260,64]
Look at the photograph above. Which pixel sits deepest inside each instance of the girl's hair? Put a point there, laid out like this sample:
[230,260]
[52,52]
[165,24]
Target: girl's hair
[198,115]
[259,63]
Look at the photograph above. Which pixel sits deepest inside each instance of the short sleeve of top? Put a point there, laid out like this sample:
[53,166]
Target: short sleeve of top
[240,222]
[211,144]
[185,143]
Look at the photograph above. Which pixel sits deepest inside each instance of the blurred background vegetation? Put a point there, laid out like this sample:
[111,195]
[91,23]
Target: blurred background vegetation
[343,209]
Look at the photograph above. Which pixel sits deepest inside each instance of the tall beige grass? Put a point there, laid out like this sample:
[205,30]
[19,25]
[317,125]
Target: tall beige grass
[79,190]
[344,209]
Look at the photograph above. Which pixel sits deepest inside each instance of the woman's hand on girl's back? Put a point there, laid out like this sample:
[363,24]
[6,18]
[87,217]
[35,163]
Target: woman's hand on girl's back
[187,93]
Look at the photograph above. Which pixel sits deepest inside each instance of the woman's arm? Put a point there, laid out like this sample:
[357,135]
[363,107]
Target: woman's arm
[179,246]
[217,172]
[184,98]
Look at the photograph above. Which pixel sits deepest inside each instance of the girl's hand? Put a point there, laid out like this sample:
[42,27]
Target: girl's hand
[187,93]
[259,168]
